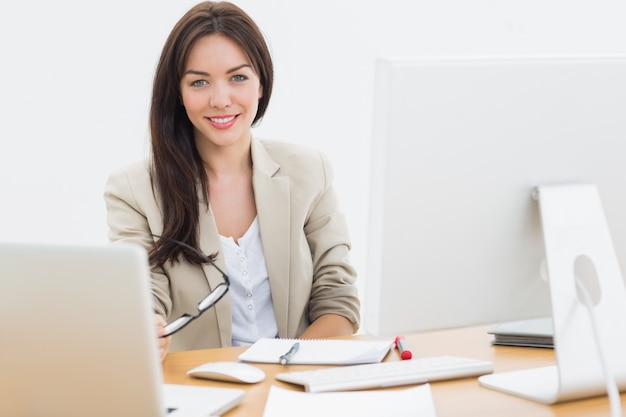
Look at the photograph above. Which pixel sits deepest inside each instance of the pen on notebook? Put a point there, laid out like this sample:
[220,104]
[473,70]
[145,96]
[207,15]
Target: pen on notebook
[287,356]
[403,347]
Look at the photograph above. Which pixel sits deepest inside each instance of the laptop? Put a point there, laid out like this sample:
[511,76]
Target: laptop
[536,332]
[77,338]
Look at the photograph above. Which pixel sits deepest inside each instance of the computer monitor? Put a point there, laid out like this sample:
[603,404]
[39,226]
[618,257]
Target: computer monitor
[459,144]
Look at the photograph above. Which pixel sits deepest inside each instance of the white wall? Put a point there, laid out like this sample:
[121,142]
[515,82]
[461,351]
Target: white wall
[75,84]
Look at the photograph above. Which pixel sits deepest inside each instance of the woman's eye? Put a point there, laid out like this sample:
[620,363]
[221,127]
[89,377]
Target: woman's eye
[240,78]
[198,83]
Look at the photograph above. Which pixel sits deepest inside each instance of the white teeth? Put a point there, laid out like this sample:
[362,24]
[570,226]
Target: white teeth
[222,120]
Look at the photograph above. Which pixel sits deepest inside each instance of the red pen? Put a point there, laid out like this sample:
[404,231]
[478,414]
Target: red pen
[403,347]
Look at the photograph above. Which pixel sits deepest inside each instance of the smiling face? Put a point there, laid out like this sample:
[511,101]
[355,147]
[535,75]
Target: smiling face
[220,91]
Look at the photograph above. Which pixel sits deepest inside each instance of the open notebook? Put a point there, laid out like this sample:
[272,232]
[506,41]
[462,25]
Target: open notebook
[318,352]
[78,338]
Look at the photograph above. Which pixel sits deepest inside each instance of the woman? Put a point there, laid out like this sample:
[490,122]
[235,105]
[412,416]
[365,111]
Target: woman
[264,211]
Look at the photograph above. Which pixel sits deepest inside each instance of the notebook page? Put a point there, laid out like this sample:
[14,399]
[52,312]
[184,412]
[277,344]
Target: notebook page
[318,352]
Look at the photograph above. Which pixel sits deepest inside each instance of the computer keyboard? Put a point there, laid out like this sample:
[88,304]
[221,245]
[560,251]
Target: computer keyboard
[387,374]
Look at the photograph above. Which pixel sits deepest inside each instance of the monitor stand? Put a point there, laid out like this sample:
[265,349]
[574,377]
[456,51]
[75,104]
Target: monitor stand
[577,243]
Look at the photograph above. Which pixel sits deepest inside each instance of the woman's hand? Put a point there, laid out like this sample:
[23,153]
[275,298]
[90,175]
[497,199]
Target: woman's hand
[164,342]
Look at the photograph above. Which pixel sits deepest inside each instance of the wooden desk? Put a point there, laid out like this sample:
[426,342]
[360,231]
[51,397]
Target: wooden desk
[452,398]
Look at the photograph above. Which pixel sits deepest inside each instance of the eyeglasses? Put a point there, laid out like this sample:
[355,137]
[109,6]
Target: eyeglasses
[207,302]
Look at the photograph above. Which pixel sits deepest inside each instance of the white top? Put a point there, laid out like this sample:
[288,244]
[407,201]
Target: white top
[253,310]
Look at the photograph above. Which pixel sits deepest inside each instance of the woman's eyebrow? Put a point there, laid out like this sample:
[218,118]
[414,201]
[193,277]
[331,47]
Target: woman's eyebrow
[196,72]
[235,69]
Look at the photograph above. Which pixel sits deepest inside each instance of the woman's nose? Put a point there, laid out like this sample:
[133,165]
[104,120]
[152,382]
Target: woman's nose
[220,96]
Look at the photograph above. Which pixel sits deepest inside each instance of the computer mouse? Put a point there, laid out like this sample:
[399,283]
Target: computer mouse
[228,371]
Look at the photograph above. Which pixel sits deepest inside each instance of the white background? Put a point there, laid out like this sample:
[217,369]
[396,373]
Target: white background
[75,84]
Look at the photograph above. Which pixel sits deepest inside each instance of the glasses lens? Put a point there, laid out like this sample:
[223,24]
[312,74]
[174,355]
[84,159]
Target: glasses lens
[177,324]
[213,297]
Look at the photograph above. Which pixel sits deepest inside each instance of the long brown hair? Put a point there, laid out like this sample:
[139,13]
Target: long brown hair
[177,171]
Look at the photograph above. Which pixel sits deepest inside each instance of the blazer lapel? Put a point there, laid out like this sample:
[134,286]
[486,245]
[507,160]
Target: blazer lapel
[273,212]
[210,243]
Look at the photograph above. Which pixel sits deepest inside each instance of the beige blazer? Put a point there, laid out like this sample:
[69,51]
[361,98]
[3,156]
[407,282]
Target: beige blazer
[304,235]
